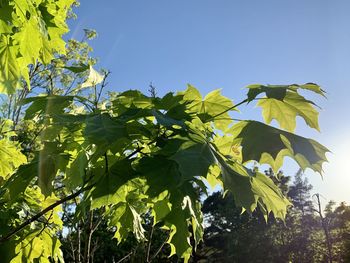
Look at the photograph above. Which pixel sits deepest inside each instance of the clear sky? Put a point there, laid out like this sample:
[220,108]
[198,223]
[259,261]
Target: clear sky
[229,44]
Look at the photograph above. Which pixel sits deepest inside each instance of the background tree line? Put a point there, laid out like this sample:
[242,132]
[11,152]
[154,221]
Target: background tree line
[233,236]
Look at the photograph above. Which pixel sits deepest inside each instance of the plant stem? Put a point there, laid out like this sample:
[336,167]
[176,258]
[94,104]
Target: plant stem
[231,108]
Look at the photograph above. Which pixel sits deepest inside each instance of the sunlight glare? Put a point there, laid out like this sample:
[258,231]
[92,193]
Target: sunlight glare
[336,171]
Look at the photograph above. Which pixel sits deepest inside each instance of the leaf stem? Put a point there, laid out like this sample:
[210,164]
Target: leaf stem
[231,108]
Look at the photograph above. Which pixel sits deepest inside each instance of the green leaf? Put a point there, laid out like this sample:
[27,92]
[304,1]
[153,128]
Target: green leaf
[6,22]
[227,146]
[131,99]
[104,130]
[185,212]
[30,41]
[167,121]
[9,67]
[78,69]
[266,144]
[18,182]
[160,210]
[212,176]
[271,91]
[46,105]
[126,213]
[214,106]
[285,111]
[46,53]
[280,91]
[283,103]
[10,158]
[51,247]
[179,234]
[168,102]
[108,191]
[193,159]
[252,188]
[75,172]
[194,208]
[7,252]
[161,174]
[310,86]
[38,247]
[30,30]
[51,160]
[127,220]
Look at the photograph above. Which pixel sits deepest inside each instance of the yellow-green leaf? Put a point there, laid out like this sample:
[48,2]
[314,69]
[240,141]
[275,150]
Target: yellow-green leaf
[10,158]
[9,68]
[285,111]
[214,106]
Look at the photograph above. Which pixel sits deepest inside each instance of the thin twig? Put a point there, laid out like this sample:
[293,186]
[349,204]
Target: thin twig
[231,108]
[124,258]
[159,249]
[103,85]
[149,244]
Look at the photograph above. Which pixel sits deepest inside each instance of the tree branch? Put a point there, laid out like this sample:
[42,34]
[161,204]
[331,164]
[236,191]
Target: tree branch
[160,248]
[124,258]
[43,212]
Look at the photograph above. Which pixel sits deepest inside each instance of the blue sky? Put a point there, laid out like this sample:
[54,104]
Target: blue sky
[230,44]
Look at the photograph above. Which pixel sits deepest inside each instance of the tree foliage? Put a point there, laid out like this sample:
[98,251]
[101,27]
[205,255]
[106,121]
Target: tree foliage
[231,236]
[30,31]
[126,154]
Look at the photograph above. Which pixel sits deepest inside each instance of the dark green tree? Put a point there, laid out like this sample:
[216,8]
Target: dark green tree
[232,236]
[299,193]
[337,219]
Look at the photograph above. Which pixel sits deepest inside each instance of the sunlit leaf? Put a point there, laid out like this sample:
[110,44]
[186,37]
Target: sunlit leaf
[283,103]
[10,158]
[93,79]
[214,106]
[9,68]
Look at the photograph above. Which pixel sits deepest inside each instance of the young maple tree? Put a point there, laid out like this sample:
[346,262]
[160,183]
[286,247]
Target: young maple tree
[131,154]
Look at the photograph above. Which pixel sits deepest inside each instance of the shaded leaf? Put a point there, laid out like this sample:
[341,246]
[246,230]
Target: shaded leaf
[107,190]
[266,144]
[280,91]
[46,105]
[77,69]
[193,159]
[102,129]
[251,188]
